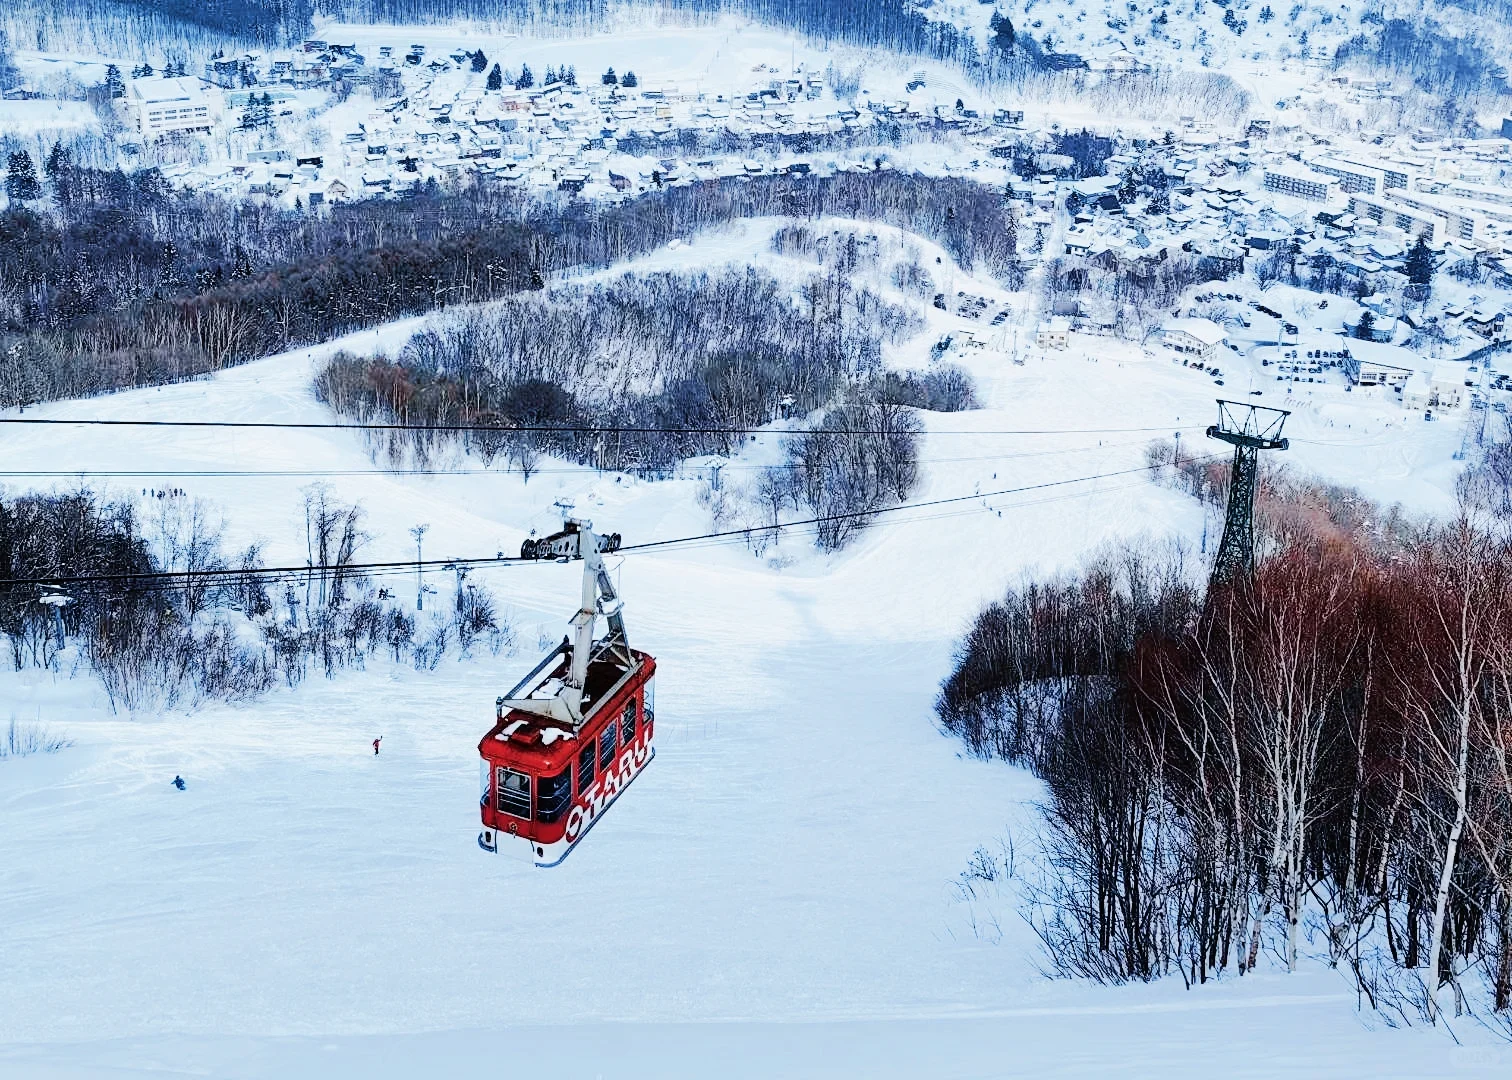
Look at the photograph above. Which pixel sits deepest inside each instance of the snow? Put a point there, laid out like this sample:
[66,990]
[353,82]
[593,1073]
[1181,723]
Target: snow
[775,894]
[20,118]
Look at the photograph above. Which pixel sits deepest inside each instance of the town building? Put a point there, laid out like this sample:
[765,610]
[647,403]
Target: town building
[1301,182]
[1352,177]
[1468,221]
[164,106]
[1410,220]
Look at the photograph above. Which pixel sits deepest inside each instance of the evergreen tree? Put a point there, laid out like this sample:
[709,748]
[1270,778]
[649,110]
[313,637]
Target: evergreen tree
[115,86]
[610,78]
[1420,263]
[258,114]
[21,177]
[495,78]
[1366,326]
[569,75]
[59,161]
[479,61]
[629,80]
[526,79]
[551,76]
[60,171]
[1002,32]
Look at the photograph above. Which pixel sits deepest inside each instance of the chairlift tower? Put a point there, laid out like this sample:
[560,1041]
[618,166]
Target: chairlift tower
[1251,429]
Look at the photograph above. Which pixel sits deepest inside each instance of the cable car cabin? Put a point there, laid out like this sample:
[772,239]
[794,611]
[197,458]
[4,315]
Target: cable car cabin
[545,785]
[575,732]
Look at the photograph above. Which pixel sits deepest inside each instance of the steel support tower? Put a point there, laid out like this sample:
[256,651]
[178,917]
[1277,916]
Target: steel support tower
[1251,429]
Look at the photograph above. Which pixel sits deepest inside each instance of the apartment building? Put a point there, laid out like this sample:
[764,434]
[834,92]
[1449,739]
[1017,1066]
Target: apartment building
[1301,182]
[1353,177]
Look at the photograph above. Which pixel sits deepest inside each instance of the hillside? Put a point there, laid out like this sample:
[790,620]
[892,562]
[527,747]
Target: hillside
[785,887]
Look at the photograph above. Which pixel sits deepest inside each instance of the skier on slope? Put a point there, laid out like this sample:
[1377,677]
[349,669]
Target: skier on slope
[376,741]
[178,782]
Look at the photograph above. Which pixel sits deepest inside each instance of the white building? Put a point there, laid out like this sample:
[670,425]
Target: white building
[1379,373]
[1416,392]
[1054,333]
[1448,385]
[1443,388]
[1388,212]
[1353,178]
[163,106]
[1301,182]
[1372,363]
[1195,337]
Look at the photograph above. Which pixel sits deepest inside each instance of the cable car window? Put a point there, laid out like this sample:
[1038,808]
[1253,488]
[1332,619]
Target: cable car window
[585,769]
[650,695]
[554,796]
[627,723]
[514,793]
[606,747]
[486,776]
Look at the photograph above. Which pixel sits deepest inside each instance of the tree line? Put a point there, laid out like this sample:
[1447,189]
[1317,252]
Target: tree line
[207,623]
[1437,61]
[683,352]
[124,282]
[643,371]
[1313,757]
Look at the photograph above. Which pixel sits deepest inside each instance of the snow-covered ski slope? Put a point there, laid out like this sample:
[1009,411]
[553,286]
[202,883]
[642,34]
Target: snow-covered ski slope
[772,898]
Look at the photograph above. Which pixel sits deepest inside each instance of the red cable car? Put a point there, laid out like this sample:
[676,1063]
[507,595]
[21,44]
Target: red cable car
[577,730]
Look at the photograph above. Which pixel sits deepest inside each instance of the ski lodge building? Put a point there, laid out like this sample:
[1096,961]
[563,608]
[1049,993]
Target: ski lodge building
[1442,388]
[1053,333]
[1198,338]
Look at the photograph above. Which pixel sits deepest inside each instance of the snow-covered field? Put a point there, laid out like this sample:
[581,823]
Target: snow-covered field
[773,898]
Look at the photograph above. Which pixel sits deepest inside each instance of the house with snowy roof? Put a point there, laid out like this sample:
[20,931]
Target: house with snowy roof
[1198,338]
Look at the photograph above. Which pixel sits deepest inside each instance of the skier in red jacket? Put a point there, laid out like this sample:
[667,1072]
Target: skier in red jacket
[376,741]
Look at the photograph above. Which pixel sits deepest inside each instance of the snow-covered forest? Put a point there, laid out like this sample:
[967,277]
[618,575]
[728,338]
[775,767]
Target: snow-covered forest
[1315,754]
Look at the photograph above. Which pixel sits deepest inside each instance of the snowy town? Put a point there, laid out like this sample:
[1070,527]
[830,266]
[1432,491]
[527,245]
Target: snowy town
[1342,235]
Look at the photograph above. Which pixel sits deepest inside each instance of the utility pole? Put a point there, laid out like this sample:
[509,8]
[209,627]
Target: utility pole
[1250,429]
[418,532]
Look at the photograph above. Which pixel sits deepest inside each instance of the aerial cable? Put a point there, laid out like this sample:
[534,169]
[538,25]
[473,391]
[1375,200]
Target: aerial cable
[234,576]
[852,515]
[575,470]
[564,429]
